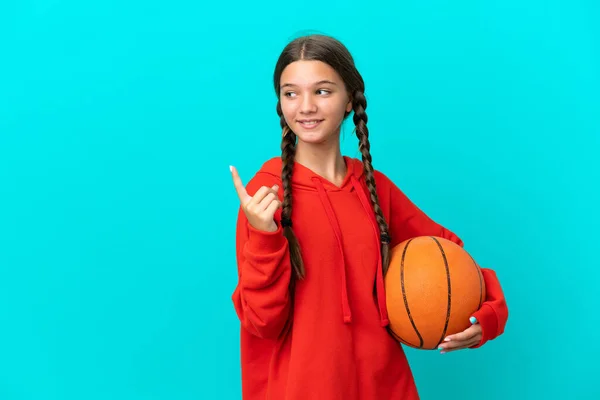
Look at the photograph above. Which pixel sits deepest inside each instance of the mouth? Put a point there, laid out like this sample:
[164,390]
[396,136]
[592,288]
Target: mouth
[309,123]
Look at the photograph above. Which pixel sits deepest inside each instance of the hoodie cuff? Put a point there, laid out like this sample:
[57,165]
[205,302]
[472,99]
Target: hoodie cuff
[263,242]
[488,320]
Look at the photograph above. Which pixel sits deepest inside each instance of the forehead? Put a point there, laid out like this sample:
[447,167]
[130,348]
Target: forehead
[307,73]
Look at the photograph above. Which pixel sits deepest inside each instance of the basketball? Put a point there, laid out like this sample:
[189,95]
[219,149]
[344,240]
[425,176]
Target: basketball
[432,288]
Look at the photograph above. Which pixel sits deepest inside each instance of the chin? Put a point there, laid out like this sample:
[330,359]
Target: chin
[312,138]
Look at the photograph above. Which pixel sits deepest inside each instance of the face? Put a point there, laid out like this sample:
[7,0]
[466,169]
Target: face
[313,100]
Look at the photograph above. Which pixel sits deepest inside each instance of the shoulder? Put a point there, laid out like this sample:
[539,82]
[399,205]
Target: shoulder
[381,177]
[386,187]
[383,181]
[269,174]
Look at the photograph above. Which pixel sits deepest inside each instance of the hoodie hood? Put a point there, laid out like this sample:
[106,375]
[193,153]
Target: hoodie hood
[305,179]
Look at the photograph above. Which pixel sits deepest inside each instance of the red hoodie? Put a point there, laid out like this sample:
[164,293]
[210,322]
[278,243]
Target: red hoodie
[328,340]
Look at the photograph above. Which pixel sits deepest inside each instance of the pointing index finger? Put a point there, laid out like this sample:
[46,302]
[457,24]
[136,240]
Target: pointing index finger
[239,186]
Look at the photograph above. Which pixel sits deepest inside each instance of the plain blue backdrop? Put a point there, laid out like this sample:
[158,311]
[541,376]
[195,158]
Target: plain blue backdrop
[119,119]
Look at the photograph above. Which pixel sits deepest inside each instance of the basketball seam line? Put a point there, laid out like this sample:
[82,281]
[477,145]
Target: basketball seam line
[404,295]
[449,289]
[397,337]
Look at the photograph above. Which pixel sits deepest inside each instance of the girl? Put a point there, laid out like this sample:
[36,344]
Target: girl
[313,236]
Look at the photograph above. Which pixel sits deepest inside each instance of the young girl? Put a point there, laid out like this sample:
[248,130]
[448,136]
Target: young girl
[314,233]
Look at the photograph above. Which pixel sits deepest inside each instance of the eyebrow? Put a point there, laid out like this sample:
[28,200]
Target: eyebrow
[325,81]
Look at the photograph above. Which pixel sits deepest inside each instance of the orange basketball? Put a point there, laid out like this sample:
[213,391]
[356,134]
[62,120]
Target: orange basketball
[432,288]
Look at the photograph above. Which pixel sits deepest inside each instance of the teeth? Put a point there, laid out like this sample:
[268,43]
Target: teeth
[309,122]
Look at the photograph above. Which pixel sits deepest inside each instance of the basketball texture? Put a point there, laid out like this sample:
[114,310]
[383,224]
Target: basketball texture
[432,288]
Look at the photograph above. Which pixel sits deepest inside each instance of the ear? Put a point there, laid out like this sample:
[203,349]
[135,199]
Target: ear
[349,105]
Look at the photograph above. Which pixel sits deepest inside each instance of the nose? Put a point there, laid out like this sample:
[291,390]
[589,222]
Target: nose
[308,105]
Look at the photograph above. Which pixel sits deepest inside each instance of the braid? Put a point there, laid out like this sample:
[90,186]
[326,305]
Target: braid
[359,104]
[288,151]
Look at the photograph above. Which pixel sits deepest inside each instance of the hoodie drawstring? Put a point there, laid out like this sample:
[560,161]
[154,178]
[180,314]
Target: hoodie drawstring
[380,287]
[338,236]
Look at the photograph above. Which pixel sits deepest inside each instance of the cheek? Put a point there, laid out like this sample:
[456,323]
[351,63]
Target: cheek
[334,110]
[289,111]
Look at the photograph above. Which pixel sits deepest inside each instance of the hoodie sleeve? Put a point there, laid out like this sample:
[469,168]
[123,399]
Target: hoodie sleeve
[493,314]
[261,298]
[406,221]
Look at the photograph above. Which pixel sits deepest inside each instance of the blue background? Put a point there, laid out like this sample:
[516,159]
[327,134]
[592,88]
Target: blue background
[118,121]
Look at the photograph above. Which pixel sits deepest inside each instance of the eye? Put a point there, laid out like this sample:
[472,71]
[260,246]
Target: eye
[289,94]
[324,90]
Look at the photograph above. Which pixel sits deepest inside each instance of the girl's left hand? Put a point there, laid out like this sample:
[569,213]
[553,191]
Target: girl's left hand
[465,339]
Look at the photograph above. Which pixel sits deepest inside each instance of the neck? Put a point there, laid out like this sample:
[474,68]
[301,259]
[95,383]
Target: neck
[324,159]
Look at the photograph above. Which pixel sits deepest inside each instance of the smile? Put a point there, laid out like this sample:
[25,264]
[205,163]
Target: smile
[309,124]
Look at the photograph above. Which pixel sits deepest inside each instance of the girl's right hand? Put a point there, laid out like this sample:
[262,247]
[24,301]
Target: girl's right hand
[259,209]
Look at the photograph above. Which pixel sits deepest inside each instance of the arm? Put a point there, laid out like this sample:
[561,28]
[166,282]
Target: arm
[408,221]
[262,298]
[493,314]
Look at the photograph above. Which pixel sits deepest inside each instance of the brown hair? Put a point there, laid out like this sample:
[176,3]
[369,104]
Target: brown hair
[332,52]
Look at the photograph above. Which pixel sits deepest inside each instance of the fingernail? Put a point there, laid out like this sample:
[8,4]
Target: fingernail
[442,352]
[473,320]
[447,339]
[440,348]
[230,168]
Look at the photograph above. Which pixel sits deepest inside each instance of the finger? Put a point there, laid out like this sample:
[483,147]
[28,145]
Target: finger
[455,344]
[451,350]
[462,346]
[272,208]
[239,186]
[261,194]
[269,198]
[467,334]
